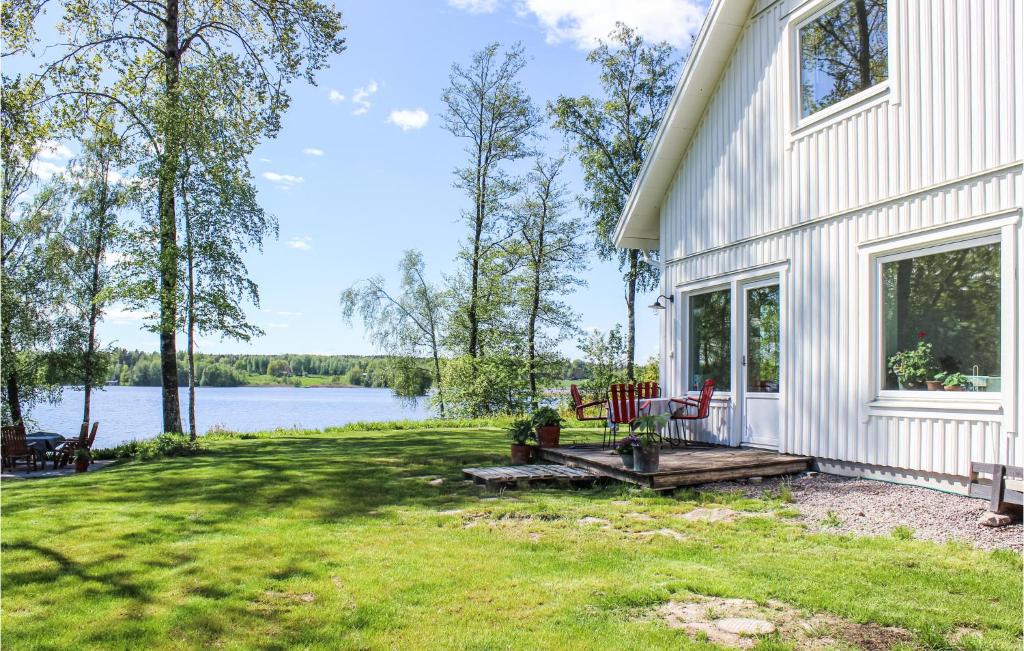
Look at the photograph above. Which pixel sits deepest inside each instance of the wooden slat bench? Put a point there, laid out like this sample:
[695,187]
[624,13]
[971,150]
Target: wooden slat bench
[1006,485]
[505,475]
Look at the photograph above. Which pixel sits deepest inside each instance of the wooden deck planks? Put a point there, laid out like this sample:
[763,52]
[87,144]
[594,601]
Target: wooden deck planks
[696,464]
[515,474]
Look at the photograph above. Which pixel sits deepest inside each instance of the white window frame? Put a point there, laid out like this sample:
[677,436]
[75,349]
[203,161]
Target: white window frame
[878,93]
[710,289]
[982,229]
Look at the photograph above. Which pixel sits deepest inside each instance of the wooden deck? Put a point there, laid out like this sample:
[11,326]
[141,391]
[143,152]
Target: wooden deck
[683,466]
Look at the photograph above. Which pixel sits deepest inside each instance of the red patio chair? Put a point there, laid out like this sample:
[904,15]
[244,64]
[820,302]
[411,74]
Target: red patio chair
[697,408]
[581,407]
[625,403]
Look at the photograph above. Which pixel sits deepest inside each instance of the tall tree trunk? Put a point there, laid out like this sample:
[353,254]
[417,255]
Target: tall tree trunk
[634,270]
[11,373]
[437,380]
[531,333]
[99,245]
[168,228]
[864,44]
[190,308]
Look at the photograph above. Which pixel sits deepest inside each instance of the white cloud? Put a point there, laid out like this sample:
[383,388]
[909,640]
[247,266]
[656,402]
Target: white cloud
[265,160]
[45,169]
[53,150]
[121,315]
[335,96]
[313,151]
[301,243]
[361,98]
[475,6]
[286,179]
[409,118]
[584,22]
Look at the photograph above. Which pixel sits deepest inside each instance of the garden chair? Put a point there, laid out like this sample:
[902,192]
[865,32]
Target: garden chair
[14,446]
[623,405]
[581,407]
[690,408]
[63,455]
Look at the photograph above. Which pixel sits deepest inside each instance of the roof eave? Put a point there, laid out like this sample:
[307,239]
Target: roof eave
[639,224]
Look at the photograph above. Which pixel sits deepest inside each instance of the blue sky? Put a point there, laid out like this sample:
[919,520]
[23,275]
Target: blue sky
[362,169]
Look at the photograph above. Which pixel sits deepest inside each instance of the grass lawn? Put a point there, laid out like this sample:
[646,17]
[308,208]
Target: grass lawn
[337,540]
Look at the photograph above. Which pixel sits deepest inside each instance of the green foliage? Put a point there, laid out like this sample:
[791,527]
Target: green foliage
[521,431]
[495,384]
[604,356]
[902,532]
[165,445]
[279,368]
[953,379]
[647,427]
[912,367]
[546,417]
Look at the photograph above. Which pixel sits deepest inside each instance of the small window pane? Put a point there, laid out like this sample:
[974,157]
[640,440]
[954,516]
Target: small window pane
[941,316]
[842,52]
[763,339]
[710,316]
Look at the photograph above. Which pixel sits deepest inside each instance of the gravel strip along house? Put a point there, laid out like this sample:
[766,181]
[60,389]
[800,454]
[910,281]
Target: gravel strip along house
[835,199]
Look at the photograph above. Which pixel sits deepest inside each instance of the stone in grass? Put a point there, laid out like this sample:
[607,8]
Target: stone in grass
[990,519]
[745,626]
[436,482]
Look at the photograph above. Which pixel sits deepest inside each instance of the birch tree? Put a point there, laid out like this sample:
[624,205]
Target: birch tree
[140,56]
[612,135]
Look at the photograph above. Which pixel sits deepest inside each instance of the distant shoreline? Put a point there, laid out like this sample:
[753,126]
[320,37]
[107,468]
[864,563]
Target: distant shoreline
[239,386]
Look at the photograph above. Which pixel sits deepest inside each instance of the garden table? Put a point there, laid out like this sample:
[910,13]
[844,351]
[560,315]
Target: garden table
[43,442]
[654,406]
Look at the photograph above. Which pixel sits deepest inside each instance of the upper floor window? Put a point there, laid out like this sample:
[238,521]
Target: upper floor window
[842,52]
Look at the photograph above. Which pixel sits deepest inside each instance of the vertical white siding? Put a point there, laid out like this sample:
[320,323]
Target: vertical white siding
[944,144]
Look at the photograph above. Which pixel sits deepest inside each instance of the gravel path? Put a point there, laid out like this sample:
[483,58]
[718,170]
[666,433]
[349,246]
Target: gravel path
[874,508]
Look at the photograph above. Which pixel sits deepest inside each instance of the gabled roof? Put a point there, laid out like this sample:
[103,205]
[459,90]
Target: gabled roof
[638,226]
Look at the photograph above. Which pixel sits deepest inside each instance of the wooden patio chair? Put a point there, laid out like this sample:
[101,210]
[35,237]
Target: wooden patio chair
[63,455]
[625,404]
[690,408]
[14,446]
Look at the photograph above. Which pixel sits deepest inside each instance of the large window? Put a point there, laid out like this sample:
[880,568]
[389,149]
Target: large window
[842,52]
[941,319]
[710,318]
[763,339]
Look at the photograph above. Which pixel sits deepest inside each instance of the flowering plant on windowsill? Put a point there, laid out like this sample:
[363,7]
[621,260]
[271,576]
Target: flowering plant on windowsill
[914,366]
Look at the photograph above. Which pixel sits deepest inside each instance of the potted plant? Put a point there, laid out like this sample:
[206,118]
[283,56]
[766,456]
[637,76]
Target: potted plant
[549,426]
[936,383]
[625,450]
[955,382]
[520,433]
[82,459]
[913,367]
[646,450]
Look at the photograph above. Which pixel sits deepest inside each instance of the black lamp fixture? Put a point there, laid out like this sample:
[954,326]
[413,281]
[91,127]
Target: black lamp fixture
[658,305]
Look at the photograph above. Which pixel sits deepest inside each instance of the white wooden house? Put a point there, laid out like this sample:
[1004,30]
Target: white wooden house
[835,182]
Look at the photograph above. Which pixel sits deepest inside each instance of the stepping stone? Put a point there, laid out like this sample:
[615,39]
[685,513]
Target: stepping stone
[591,520]
[710,515]
[745,626]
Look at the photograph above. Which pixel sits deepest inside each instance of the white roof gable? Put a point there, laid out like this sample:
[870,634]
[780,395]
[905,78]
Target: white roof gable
[638,226]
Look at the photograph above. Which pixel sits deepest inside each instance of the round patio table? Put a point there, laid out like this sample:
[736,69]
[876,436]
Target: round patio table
[43,442]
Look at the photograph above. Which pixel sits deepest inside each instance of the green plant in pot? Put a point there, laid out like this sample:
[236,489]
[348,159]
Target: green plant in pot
[521,433]
[955,382]
[913,367]
[82,460]
[624,448]
[549,426]
[647,449]
[935,384]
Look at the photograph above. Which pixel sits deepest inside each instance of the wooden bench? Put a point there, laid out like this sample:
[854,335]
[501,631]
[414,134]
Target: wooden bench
[1006,485]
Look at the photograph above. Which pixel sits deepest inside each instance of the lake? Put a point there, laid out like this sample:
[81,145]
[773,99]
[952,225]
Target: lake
[126,413]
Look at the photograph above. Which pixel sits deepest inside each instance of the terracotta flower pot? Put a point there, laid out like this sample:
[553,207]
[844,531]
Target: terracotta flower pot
[81,465]
[547,437]
[934,385]
[520,454]
[955,387]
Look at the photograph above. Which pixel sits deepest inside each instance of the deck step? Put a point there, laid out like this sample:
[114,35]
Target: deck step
[505,475]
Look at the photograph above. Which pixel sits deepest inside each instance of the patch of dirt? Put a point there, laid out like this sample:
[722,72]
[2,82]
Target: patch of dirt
[709,515]
[740,623]
[583,522]
[668,533]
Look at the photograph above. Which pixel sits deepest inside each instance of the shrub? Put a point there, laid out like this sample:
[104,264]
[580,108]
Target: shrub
[521,431]
[165,445]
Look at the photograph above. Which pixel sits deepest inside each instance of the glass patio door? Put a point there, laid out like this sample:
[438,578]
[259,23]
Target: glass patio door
[760,363]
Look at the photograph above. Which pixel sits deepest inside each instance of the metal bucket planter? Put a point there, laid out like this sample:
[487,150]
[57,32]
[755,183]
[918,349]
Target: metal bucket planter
[646,458]
[627,459]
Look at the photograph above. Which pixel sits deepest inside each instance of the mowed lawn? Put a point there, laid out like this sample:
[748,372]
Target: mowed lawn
[338,541]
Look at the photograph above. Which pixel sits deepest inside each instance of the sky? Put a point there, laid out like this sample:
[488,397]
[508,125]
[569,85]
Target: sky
[362,169]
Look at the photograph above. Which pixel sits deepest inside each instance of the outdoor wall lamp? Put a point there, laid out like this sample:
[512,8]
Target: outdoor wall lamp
[658,305]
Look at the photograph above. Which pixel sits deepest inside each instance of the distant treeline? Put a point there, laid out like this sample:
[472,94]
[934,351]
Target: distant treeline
[137,368]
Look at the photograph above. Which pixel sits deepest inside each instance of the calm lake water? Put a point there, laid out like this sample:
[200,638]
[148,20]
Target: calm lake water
[127,413]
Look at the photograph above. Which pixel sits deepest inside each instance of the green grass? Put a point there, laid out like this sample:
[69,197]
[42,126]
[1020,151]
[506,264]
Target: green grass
[336,540]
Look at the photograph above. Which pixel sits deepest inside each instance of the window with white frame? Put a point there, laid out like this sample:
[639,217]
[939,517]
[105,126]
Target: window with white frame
[710,339]
[941,316]
[843,51]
